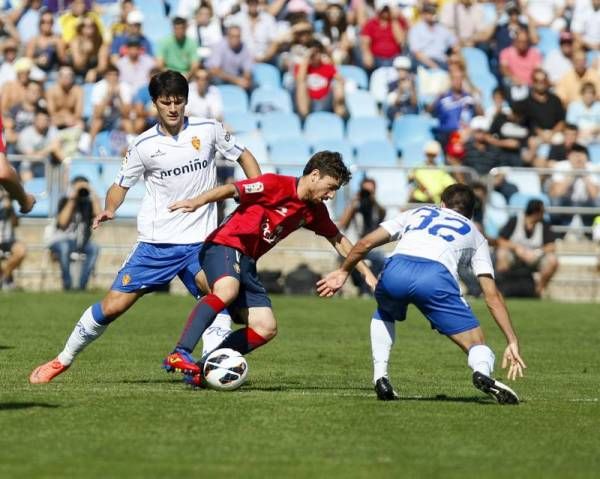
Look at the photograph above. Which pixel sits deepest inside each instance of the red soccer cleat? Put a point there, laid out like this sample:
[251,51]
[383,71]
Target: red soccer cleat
[195,380]
[47,372]
[181,362]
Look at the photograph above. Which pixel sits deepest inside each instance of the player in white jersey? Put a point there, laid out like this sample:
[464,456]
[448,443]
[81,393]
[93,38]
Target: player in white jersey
[176,157]
[423,271]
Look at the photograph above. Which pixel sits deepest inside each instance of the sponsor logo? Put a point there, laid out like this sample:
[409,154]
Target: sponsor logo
[157,153]
[126,280]
[196,142]
[236,267]
[227,136]
[269,235]
[192,166]
[257,187]
[282,210]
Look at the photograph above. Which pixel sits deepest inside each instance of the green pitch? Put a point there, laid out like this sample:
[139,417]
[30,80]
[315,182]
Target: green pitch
[308,409]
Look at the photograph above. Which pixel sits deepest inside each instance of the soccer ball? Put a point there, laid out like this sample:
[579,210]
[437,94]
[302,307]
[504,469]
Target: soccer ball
[225,369]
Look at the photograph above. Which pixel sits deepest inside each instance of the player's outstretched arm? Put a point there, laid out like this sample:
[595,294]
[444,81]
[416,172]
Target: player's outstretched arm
[216,194]
[249,164]
[114,198]
[343,246]
[495,303]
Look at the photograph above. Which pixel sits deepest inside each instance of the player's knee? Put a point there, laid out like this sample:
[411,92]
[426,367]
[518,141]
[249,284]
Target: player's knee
[227,290]
[265,326]
[551,261]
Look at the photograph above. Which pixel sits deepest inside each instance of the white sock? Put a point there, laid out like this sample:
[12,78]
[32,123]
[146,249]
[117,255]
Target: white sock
[383,334]
[481,359]
[85,331]
[216,333]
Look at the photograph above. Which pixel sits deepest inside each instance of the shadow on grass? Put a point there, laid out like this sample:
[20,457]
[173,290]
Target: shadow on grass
[443,398]
[14,406]
[170,380]
[2,346]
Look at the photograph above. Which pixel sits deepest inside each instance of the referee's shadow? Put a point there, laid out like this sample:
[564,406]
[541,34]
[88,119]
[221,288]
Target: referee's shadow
[15,405]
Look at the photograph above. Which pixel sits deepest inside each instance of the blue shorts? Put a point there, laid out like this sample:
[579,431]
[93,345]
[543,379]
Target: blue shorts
[151,265]
[430,287]
[219,261]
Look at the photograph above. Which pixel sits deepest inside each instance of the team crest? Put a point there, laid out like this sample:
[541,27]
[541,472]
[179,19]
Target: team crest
[196,142]
[126,280]
[254,187]
[236,267]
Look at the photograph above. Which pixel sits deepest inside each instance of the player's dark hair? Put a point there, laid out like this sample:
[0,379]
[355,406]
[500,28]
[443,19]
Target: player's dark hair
[460,198]
[168,83]
[329,163]
[534,206]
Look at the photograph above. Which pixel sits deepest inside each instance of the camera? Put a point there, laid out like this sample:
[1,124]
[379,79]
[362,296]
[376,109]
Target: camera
[83,193]
[364,194]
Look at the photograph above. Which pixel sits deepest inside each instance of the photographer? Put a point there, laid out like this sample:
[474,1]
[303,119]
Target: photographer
[365,213]
[73,230]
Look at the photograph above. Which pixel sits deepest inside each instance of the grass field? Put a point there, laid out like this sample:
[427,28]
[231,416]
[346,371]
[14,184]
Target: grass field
[308,409]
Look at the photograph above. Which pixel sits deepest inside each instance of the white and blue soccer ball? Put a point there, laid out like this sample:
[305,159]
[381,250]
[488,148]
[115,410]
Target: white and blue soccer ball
[225,369]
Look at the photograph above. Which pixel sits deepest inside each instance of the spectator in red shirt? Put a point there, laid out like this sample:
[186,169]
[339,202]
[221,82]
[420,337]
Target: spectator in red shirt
[383,37]
[315,89]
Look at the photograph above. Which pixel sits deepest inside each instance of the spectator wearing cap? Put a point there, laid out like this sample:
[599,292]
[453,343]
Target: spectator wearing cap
[204,99]
[467,20]
[585,113]
[205,28]
[568,88]
[231,60]
[118,48]
[558,62]
[13,92]
[9,56]
[429,40]
[44,47]
[295,47]
[259,31]
[518,61]
[586,24]
[177,51]
[428,183]
[135,66]
[383,37]
[402,96]
[78,11]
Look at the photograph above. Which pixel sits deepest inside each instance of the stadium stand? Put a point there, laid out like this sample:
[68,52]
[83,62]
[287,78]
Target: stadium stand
[278,125]
[323,125]
[365,129]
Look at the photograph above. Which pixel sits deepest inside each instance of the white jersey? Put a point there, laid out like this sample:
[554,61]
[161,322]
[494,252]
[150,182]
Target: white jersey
[177,168]
[441,235]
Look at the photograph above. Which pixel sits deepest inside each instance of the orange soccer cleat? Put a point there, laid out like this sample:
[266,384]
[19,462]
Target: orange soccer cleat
[47,372]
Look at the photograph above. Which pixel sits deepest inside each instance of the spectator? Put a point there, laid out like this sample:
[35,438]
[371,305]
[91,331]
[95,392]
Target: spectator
[12,252]
[21,115]
[526,240]
[119,27]
[569,87]
[579,189]
[8,30]
[383,37]
[65,100]
[562,144]
[585,113]
[70,20]
[429,182]
[467,19]
[365,213]
[402,98]
[119,46]
[231,60]
[259,31]
[13,92]
[338,36]
[546,13]
[204,99]
[508,26]
[295,48]
[558,62]
[86,53]
[26,18]
[504,133]
[205,29]
[315,86]
[518,62]
[144,111]
[9,56]
[586,25]
[44,48]
[135,66]
[178,52]
[429,40]
[74,229]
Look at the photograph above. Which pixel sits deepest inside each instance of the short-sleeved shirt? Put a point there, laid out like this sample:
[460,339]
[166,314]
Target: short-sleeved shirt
[383,43]
[119,45]
[509,228]
[178,56]
[544,115]
[269,210]
[318,80]
[585,118]
[431,41]
[231,62]
[454,110]
[521,66]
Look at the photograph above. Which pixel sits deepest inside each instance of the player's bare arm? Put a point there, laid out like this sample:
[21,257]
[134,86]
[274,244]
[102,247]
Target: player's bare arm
[332,282]
[114,198]
[249,164]
[343,246]
[216,194]
[497,307]
[10,181]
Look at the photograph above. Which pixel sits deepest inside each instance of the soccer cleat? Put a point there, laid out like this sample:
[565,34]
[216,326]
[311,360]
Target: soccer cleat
[385,390]
[195,380]
[182,362]
[501,392]
[47,372]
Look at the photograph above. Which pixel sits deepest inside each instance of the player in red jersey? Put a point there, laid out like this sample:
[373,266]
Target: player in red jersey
[270,208]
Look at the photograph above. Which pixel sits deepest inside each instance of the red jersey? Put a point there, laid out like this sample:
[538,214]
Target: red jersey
[269,211]
[383,43]
[318,80]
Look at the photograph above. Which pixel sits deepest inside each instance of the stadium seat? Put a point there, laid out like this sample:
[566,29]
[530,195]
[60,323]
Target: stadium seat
[548,40]
[156,25]
[485,83]
[266,76]
[476,60]
[527,182]
[380,80]
[520,200]
[278,125]
[88,109]
[354,74]
[412,155]
[109,143]
[240,122]
[109,170]
[392,188]
[594,152]
[364,129]
[376,153]
[263,100]
[290,152]
[411,129]
[342,147]
[255,143]
[496,215]
[361,103]
[89,169]
[39,188]
[323,126]
[234,98]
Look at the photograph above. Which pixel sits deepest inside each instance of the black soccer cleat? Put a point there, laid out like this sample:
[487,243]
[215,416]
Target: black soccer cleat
[385,390]
[501,392]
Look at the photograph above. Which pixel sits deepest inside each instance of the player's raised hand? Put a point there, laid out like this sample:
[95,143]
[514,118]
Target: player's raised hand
[331,283]
[512,359]
[187,206]
[101,217]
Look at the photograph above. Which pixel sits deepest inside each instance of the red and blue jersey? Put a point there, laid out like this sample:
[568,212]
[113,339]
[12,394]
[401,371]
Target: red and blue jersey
[269,210]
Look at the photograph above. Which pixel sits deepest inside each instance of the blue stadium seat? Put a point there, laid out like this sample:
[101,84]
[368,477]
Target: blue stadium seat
[255,143]
[485,83]
[527,182]
[89,169]
[290,152]
[392,188]
[39,188]
[240,122]
[476,60]
[354,74]
[109,171]
[156,25]
[278,125]
[376,153]
[520,200]
[104,144]
[411,129]
[88,109]
[234,98]
[323,126]
[364,129]
[594,152]
[380,80]
[263,100]
[413,155]
[342,147]
[266,75]
[361,103]
[548,40]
